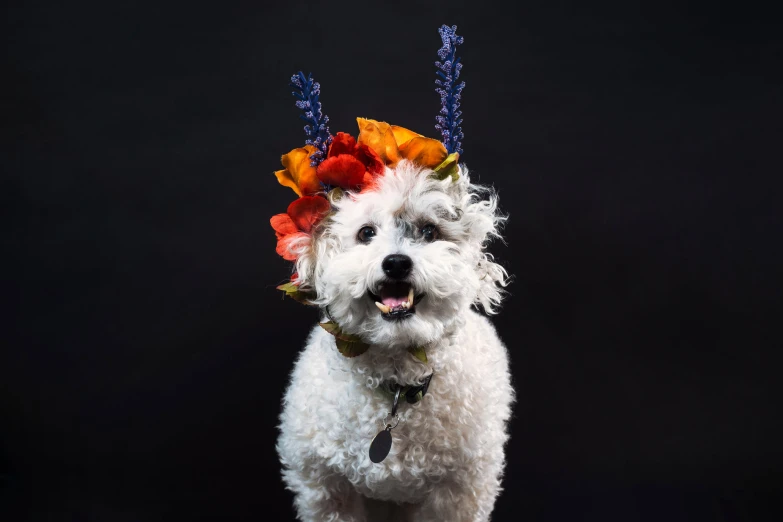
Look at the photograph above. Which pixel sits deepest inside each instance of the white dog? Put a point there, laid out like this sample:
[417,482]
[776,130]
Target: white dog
[401,266]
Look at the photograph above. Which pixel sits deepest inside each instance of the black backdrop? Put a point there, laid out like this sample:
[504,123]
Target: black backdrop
[636,150]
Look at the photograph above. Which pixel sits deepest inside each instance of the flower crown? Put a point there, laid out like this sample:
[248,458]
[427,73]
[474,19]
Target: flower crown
[328,165]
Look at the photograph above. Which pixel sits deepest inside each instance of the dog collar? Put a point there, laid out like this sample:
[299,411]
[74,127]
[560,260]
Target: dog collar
[412,393]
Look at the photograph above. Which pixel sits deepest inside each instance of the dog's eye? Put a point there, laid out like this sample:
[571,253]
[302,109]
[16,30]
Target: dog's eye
[430,233]
[366,234]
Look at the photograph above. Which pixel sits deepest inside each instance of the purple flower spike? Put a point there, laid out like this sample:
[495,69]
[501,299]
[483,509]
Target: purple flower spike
[449,119]
[318,135]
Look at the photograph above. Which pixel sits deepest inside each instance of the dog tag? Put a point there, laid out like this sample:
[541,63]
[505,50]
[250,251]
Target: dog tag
[381,445]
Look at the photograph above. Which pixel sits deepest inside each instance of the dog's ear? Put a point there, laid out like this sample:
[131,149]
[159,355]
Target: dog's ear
[481,221]
[305,262]
[314,247]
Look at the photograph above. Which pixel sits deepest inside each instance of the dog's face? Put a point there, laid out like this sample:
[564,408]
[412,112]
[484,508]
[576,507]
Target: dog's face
[397,265]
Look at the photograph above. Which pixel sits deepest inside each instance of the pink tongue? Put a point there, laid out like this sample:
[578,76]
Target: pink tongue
[392,302]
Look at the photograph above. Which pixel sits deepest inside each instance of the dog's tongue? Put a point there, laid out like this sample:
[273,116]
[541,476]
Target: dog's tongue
[393,302]
[394,295]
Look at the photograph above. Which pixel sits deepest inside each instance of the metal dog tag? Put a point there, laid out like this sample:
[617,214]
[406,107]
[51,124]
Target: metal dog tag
[381,445]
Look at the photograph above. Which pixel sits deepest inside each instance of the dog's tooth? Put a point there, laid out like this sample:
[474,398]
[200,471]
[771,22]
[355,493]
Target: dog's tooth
[406,305]
[382,307]
[410,296]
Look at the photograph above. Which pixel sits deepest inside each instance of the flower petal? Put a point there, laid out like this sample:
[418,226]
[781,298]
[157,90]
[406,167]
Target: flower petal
[343,143]
[369,182]
[284,178]
[297,163]
[403,135]
[379,137]
[285,243]
[424,151]
[372,162]
[283,225]
[307,211]
[342,171]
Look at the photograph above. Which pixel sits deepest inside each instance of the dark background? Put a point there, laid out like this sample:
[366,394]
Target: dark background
[636,149]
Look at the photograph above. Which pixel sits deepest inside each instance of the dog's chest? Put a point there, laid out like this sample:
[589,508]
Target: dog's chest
[424,446]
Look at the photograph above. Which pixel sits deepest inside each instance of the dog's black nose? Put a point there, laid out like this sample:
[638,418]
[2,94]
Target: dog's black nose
[397,266]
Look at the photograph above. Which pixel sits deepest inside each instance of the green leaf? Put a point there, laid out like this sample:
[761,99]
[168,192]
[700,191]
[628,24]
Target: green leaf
[449,167]
[295,293]
[348,345]
[419,353]
[331,327]
[288,288]
[351,348]
[302,297]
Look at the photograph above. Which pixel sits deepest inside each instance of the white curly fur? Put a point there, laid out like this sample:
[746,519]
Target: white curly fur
[447,457]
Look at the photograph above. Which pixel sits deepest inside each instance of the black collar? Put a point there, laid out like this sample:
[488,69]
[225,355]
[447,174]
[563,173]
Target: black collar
[413,393]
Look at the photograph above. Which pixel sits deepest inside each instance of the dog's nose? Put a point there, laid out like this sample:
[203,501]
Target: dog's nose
[397,266]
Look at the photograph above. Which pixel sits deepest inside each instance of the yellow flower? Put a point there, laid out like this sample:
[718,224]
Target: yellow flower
[298,174]
[393,143]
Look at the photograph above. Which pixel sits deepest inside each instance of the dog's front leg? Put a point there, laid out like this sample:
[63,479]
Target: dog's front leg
[458,503]
[324,497]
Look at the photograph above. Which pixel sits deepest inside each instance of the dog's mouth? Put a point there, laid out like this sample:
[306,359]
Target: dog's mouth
[396,300]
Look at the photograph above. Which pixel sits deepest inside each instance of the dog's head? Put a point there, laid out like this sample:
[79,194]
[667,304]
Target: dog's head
[399,264]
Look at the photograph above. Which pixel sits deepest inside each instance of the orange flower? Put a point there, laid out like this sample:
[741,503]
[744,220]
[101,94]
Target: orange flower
[302,215]
[298,174]
[393,143]
[380,138]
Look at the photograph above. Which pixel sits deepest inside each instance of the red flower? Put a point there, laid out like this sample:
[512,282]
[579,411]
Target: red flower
[348,165]
[342,143]
[305,212]
[302,215]
[370,158]
[342,170]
